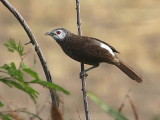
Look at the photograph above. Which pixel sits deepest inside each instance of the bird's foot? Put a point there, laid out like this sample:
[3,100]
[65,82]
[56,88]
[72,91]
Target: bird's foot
[83,74]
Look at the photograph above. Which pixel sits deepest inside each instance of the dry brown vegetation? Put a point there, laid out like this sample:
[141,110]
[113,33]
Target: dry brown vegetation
[132,27]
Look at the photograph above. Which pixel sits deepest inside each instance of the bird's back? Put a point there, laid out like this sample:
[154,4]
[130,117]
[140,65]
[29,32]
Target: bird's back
[87,50]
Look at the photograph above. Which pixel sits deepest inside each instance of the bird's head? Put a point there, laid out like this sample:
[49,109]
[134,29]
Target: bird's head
[58,34]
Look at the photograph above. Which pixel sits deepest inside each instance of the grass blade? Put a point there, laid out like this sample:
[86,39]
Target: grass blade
[1,104]
[107,108]
[51,86]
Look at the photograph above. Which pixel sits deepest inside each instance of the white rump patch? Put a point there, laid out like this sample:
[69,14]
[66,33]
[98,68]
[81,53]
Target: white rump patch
[107,48]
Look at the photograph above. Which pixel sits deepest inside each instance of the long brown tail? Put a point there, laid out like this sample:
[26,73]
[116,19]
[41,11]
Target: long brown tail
[129,71]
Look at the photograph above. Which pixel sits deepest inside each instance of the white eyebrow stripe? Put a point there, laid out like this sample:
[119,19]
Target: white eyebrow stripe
[107,48]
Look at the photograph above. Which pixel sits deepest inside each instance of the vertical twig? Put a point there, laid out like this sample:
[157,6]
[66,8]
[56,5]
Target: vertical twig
[78,115]
[82,64]
[127,97]
[34,42]
[133,108]
[124,101]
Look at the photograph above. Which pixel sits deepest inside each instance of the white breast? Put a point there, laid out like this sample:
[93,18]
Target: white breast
[107,48]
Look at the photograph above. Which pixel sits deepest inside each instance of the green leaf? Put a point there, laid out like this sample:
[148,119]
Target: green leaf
[20,85]
[1,104]
[13,66]
[13,71]
[23,65]
[20,49]
[4,80]
[107,108]
[5,67]
[31,72]
[51,86]
[12,46]
[5,117]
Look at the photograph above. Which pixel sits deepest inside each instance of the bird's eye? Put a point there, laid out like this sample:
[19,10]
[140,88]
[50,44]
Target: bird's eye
[58,32]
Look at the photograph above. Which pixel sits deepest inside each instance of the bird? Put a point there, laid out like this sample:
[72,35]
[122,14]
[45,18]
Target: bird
[91,51]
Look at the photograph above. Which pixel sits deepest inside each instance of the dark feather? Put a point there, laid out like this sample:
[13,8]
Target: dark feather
[89,51]
[86,49]
[114,50]
[129,71]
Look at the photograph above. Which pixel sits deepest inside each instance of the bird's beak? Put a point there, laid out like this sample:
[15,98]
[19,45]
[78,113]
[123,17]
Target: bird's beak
[48,33]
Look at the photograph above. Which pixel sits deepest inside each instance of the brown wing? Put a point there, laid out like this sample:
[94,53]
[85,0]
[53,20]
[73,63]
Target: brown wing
[88,50]
[100,54]
[114,50]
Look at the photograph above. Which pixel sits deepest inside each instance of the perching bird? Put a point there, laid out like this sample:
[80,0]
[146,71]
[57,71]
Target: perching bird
[90,51]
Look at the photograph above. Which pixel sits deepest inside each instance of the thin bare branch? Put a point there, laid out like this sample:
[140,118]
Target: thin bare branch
[133,108]
[11,112]
[122,105]
[3,71]
[34,42]
[127,97]
[40,109]
[83,77]
[78,17]
[79,115]
[124,100]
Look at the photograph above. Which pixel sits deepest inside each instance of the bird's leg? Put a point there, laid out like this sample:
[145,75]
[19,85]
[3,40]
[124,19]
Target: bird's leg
[90,68]
[83,73]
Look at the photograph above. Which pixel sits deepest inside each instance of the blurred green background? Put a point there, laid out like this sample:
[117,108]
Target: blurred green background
[132,27]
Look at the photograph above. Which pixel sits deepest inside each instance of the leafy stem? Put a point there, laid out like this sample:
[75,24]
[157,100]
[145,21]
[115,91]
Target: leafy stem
[15,75]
